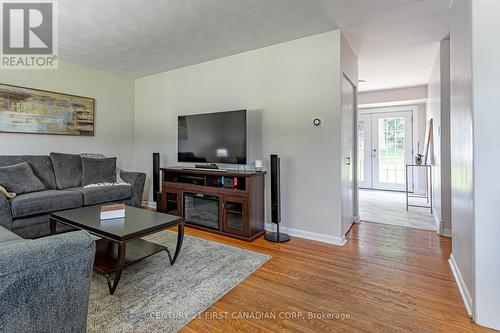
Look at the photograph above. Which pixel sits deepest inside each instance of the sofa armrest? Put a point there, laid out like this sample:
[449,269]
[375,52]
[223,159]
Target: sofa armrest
[137,180]
[45,283]
[5,212]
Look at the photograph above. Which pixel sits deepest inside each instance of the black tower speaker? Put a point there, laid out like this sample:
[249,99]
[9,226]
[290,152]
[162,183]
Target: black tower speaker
[276,202]
[156,178]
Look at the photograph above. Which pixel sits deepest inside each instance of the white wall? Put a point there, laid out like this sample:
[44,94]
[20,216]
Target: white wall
[290,83]
[438,109]
[462,184]
[114,103]
[486,71]
[392,97]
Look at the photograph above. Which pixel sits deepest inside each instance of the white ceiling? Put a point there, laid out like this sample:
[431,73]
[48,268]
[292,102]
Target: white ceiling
[395,40]
[141,37]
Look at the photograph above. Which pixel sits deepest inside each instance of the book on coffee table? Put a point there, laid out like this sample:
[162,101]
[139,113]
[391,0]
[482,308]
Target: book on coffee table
[115,211]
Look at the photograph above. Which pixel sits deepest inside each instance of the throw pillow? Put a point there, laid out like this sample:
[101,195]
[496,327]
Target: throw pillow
[20,178]
[118,181]
[68,170]
[7,194]
[98,170]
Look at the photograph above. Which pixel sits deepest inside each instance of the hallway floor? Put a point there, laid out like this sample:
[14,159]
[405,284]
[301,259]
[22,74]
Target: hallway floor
[388,207]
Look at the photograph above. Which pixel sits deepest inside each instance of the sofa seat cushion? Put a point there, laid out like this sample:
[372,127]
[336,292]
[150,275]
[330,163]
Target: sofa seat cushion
[100,194]
[44,202]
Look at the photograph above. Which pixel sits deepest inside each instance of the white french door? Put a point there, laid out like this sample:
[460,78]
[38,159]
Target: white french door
[384,148]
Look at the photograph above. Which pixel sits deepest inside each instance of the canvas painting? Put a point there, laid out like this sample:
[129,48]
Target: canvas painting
[25,110]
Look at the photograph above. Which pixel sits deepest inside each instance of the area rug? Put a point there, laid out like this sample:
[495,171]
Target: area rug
[153,296]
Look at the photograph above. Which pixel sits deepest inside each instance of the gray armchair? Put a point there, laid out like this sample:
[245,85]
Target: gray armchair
[45,283]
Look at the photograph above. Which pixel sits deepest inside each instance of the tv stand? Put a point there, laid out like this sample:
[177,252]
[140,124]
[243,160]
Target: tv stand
[211,166]
[229,203]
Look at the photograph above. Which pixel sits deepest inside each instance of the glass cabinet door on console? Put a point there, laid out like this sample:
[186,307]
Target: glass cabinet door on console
[172,203]
[201,210]
[234,212]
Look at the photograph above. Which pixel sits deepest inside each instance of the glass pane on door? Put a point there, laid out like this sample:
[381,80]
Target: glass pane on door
[361,151]
[391,150]
[364,145]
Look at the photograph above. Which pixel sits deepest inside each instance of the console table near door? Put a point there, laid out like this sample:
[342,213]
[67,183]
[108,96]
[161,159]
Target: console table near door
[230,203]
[428,186]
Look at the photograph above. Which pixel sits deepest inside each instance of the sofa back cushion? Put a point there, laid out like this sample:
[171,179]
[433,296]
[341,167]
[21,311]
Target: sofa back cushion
[41,166]
[20,178]
[98,170]
[67,170]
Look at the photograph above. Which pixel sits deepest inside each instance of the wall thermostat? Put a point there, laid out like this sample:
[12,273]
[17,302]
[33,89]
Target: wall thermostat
[318,121]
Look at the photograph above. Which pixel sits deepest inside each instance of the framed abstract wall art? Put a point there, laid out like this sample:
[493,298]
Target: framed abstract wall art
[26,110]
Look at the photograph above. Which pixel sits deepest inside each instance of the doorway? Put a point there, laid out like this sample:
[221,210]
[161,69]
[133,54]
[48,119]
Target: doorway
[388,137]
[385,146]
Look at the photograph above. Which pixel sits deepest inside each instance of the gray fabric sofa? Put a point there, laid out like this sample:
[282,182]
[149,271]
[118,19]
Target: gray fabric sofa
[28,214]
[45,283]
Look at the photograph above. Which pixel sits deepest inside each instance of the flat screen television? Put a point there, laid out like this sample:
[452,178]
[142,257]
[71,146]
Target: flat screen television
[219,137]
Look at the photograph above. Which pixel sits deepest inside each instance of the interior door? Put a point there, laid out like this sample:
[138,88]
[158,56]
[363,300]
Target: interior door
[391,148]
[348,128]
[364,151]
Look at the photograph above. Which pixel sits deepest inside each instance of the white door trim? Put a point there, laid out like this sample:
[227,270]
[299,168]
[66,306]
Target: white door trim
[413,108]
[349,217]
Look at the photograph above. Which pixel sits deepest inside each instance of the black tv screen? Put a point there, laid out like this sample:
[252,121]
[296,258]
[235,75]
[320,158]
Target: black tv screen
[219,137]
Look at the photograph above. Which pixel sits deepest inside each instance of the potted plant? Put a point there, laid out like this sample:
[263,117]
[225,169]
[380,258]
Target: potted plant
[418,159]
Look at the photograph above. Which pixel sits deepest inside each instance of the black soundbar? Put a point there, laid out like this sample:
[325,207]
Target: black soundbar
[207,166]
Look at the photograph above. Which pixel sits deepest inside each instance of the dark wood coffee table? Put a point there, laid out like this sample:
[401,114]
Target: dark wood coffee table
[121,244]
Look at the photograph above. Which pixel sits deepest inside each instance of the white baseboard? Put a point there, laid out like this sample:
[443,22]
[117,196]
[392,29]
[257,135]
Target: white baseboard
[437,221]
[149,204]
[446,232]
[464,292]
[340,241]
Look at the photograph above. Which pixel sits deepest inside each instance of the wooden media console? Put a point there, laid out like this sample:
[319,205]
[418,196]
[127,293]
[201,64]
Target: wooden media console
[229,203]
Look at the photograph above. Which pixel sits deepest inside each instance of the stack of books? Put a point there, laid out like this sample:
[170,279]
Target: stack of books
[115,211]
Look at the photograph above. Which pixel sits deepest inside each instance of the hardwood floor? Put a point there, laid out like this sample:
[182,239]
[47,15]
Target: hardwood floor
[386,279]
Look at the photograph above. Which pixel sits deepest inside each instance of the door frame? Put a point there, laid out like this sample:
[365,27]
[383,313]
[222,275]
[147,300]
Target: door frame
[416,113]
[355,195]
